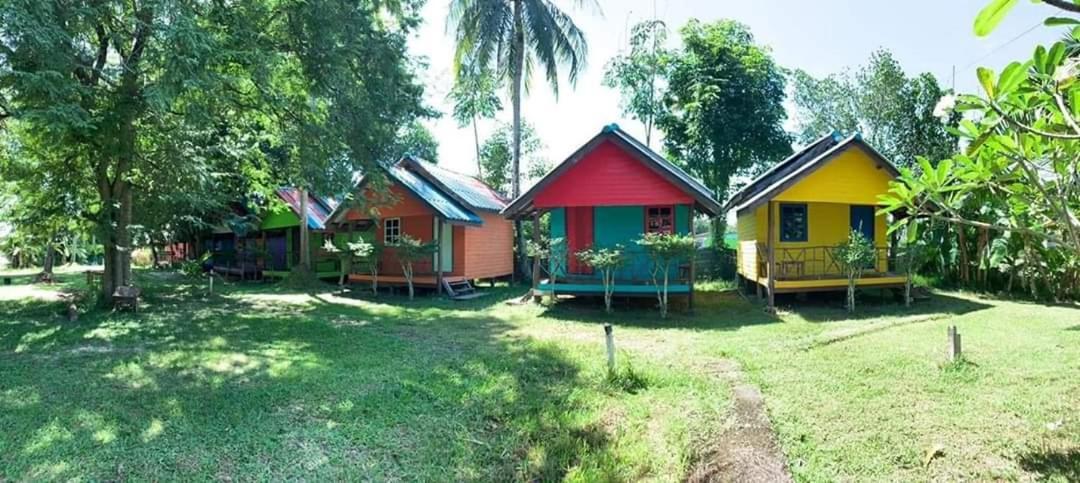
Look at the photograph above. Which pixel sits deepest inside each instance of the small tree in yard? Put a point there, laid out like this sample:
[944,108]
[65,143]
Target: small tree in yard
[606,261]
[350,252]
[854,256]
[664,250]
[409,250]
[555,252]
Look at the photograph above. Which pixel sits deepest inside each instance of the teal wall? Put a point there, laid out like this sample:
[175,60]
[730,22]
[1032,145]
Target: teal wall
[623,225]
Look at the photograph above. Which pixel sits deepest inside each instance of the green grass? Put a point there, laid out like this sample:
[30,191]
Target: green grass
[263,382]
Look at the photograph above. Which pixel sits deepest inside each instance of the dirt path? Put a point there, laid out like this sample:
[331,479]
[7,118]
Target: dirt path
[748,450]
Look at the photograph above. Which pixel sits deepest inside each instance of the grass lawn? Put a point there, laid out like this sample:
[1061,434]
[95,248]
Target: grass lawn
[259,382]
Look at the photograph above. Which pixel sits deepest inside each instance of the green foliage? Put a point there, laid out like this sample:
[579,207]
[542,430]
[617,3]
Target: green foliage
[410,250]
[475,96]
[665,250]
[893,112]
[991,15]
[496,157]
[725,103]
[195,268]
[854,256]
[605,260]
[510,38]
[641,74]
[148,108]
[1017,180]
[414,139]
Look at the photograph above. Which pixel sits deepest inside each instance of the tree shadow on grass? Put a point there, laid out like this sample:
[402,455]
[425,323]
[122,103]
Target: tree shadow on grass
[236,386]
[826,307]
[713,310]
[1053,464]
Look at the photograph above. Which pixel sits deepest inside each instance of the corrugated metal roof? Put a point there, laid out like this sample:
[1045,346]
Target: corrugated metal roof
[433,196]
[467,189]
[319,208]
[799,165]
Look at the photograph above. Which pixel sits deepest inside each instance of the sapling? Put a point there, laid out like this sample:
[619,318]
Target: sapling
[410,250]
[853,256]
[606,261]
[665,250]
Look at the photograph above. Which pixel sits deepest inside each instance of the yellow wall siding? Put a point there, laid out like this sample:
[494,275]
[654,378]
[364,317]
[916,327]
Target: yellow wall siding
[852,177]
[746,254]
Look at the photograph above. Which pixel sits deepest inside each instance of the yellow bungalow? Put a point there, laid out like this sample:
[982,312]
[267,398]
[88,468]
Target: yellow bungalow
[791,218]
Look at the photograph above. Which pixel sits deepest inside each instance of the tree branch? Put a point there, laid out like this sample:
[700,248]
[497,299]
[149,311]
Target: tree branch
[1025,127]
[1064,5]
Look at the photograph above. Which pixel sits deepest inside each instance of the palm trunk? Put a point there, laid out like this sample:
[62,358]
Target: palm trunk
[476,140]
[517,70]
[305,248]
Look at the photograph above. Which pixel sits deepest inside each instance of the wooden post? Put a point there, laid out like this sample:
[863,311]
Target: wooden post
[693,260]
[536,259]
[438,256]
[211,276]
[954,344]
[771,272]
[609,338]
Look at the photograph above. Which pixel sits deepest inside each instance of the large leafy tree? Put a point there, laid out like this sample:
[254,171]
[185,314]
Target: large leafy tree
[640,74]
[496,157]
[1017,185]
[475,96]
[893,112]
[511,38]
[725,102]
[117,88]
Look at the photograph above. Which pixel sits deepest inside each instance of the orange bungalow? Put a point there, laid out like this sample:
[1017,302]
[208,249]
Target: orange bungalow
[457,212]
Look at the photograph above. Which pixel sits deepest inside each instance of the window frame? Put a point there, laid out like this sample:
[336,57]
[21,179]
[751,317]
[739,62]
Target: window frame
[386,231]
[671,215]
[805,223]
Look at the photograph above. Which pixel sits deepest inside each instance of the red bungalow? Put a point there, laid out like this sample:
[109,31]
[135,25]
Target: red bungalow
[457,212]
[611,191]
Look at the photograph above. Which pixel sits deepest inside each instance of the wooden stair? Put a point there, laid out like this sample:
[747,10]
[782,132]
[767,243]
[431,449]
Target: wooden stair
[460,289]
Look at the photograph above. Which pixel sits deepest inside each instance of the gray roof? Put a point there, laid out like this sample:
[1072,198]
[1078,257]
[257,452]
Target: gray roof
[798,166]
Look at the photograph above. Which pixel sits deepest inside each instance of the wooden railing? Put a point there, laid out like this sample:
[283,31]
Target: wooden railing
[636,271]
[820,262]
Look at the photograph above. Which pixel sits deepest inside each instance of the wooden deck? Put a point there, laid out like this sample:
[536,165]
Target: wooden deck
[884,280]
[426,280]
[594,287]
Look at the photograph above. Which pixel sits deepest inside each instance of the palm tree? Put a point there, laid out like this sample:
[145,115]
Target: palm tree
[513,37]
[474,96]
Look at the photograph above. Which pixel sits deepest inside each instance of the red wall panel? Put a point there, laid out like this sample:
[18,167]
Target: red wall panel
[610,176]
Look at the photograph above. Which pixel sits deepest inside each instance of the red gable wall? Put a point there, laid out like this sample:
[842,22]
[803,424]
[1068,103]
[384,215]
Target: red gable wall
[610,176]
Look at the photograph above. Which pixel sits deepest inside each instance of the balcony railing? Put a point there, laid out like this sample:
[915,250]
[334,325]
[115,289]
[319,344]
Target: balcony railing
[637,270]
[821,262]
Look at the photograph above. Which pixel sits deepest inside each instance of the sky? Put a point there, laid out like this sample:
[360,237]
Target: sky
[821,37]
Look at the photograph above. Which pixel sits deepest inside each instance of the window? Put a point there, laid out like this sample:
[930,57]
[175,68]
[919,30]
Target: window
[391,231]
[659,219]
[793,223]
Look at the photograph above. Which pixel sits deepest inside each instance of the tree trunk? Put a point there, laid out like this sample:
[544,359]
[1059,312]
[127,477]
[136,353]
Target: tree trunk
[305,248]
[476,139]
[517,51]
[50,259]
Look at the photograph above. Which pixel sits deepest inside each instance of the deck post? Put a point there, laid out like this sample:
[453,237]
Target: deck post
[438,255]
[536,259]
[693,260]
[771,272]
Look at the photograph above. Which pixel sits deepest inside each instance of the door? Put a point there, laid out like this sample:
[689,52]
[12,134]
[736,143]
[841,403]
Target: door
[278,251]
[862,220]
[579,236]
[446,246]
